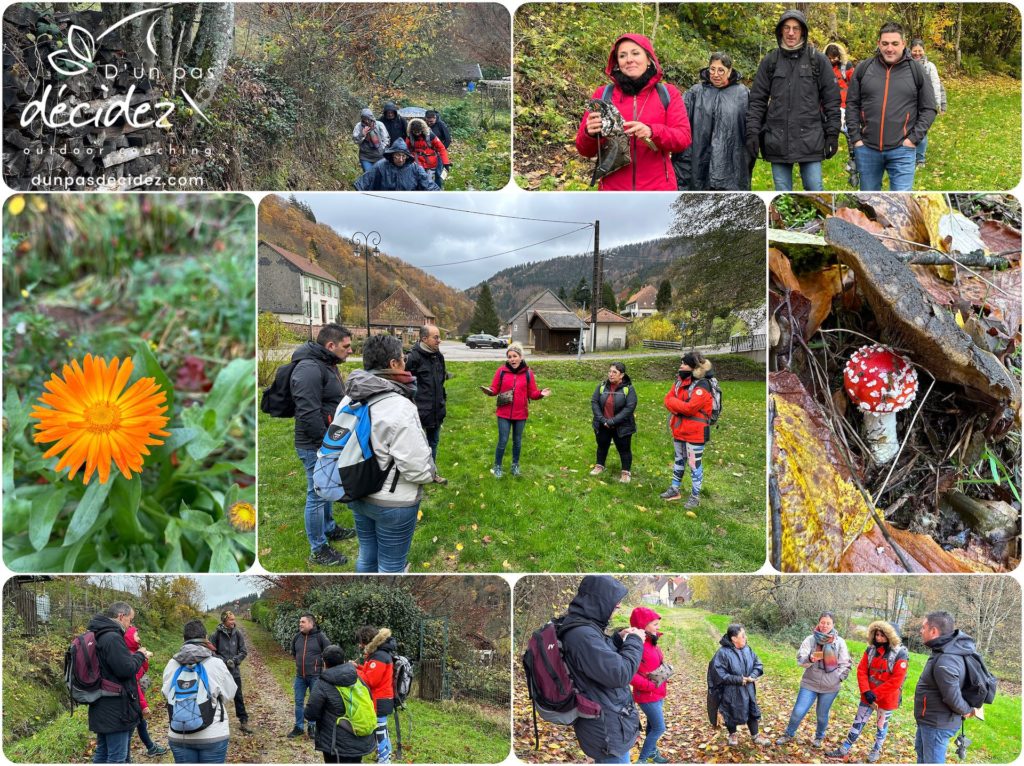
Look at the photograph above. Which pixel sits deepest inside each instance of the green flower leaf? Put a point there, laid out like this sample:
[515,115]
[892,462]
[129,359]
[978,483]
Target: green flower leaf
[223,559]
[147,366]
[85,515]
[40,522]
[125,497]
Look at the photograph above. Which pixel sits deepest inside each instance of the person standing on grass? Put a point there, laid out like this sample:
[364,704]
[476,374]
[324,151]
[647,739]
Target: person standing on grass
[317,388]
[917,53]
[377,671]
[650,696]
[229,643]
[307,648]
[514,384]
[690,402]
[613,404]
[826,662]
[426,363]
[732,685]
[880,675]
[326,706]
[131,639]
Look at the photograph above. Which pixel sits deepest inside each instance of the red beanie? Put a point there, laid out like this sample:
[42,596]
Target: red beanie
[643,616]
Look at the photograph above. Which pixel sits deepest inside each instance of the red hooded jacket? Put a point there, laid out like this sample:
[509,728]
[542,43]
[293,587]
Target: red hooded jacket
[686,403]
[645,690]
[131,638]
[670,130]
[522,382]
[874,676]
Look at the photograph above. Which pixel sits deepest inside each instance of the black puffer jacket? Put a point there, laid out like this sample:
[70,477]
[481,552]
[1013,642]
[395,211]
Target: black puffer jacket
[602,667]
[120,666]
[431,373]
[230,645]
[717,158]
[624,422]
[736,702]
[325,706]
[938,700]
[884,106]
[308,649]
[789,108]
[396,126]
[317,389]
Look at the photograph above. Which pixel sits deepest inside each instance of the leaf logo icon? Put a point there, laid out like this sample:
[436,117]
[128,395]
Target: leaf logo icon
[82,50]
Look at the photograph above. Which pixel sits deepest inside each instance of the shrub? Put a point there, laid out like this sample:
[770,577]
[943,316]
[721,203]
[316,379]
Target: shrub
[764,616]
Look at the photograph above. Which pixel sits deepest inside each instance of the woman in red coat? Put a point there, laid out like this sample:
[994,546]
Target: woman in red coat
[428,150]
[514,376]
[690,401]
[647,694]
[880,676]
[131,639]
[654,119]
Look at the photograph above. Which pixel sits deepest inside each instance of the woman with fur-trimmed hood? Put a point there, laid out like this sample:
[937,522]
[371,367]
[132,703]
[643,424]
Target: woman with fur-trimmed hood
[880,675]
[428,150]
[377,672]
[690,402]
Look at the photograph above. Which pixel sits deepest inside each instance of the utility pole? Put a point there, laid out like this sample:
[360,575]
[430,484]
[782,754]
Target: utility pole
[596,292]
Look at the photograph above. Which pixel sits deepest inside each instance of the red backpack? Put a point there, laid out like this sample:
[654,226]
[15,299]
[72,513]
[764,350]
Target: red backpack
[82,672]
[549,683]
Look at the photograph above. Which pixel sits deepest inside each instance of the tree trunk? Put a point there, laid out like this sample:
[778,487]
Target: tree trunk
[959,28]
[654,26]
[184,19]
[210,51]
[167,43]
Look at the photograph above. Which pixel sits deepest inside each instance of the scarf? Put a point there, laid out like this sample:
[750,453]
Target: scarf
[796,47]
[402,378]
[425,348]
[829,650]
[609,403]
[630,86]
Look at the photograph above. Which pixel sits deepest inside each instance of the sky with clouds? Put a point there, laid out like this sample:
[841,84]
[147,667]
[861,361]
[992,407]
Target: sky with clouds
[427,236]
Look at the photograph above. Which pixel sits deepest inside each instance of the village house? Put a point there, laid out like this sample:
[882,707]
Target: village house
[300,292]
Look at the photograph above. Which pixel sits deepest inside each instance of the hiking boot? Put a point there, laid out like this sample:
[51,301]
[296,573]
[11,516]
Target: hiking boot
[839,752]
[657,758]
[311,732]
[597,470]
[244,726]
[156,750]
[295,732]
[672,493]
[625,477]
[692,501]
[761,739]
[439,479]
[785,739]
[341,533]
[734,739]
[874,756]
[496,471]
[818,743]
[515,470]
[326,556]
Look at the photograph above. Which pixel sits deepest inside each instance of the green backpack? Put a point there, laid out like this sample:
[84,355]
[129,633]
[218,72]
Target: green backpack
[360,716]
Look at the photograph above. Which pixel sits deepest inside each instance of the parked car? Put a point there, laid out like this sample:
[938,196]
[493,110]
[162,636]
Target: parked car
[481,340]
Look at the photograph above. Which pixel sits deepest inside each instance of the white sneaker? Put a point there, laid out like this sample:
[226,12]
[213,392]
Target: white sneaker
[597,470]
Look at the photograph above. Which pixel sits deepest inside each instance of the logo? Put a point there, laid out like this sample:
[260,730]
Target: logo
[903,664]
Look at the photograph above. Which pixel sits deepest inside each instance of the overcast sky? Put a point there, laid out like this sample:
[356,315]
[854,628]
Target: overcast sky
[217,589]
[424,236]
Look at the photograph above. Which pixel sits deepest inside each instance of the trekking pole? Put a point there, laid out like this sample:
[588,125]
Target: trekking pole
[536,733]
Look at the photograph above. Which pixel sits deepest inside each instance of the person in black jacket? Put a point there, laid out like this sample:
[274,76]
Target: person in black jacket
[793,114]
[731,685]
[114,716]
[307,648]
[613,403]
[317,388]
[229,644]
[325,706]
[889,108]
[396,125]
[939,705]
[426,362]
[602,667]
[439,127]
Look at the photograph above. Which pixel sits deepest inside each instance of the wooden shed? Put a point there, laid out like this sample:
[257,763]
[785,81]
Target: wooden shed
[555,331]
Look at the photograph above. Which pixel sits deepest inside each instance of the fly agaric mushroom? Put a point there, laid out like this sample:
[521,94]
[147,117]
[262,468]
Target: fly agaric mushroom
[881,383]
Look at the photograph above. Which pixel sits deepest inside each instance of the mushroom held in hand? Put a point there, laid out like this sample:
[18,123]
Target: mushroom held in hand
[880,383]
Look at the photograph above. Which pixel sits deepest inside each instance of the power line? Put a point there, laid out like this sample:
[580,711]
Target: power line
[506,252]
[476,212]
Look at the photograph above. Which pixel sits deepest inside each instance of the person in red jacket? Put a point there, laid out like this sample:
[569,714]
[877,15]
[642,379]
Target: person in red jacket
[428,150]
[880,675]
[131,639]
[647,694]
[516,377]
[654,119]
[690,401]
[377,671]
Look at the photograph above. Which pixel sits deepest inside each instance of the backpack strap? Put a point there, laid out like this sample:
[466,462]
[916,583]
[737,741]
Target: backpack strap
[663,95]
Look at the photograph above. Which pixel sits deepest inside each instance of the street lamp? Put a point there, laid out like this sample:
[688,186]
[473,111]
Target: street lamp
[368,240]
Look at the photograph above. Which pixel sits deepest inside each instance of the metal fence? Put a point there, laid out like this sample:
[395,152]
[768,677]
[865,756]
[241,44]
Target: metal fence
[53,606]
[740,343]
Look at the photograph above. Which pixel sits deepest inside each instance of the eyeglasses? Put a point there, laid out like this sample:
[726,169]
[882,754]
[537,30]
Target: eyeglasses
[716,70]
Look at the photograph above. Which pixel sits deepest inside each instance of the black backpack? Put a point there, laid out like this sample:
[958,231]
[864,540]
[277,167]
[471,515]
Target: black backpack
[277,400]
[979,686]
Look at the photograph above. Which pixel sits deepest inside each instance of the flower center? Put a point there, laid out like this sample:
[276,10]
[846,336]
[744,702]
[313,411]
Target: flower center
[102,417]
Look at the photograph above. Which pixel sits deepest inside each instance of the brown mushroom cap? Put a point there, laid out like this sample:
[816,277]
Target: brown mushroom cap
[879,380]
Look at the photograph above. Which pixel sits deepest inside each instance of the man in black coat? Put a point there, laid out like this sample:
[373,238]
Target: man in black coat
[229,644]
[308,646]
[602,667]
[317,389]
[114,716]
[426,362]
[395,123]
[439,127]
[793,115]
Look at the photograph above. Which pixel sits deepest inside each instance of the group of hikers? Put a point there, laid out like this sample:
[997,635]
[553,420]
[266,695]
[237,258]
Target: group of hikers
[792,115]
[399,154]
[345,713]
[626,666]
[405,401]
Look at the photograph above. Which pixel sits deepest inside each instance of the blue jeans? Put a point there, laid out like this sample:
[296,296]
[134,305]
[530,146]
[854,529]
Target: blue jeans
[613,758]
[300,686]
[147,740]
[922,148]
[433,439]
[437,176]
[654,729]
[898,162]
[195,753]
[516,428]
[931,743]
[319,512]
[113,747]
[383,740]
[385,535]
[810,175]
[804,700]
[366,165]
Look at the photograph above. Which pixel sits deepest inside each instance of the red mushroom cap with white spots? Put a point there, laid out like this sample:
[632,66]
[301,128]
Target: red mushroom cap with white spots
[878,380]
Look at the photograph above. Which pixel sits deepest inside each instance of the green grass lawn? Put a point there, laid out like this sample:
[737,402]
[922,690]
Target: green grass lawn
[975,145]
[534,523]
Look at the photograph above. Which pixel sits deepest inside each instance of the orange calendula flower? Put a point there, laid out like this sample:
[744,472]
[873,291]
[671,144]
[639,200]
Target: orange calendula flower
[96,422]
[242,516]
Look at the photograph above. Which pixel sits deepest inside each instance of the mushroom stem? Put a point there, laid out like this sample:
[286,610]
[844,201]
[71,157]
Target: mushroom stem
[880,434]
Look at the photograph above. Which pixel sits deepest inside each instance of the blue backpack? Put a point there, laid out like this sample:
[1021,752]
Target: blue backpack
[346,468]
[190,706]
